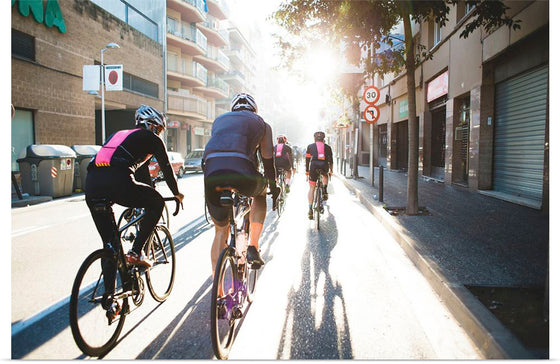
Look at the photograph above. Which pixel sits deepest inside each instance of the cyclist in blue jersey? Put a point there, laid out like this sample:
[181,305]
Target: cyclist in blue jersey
[113,173]
[240,139]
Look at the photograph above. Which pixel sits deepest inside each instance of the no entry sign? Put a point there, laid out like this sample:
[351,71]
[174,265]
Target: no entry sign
[371,114]
[113,77]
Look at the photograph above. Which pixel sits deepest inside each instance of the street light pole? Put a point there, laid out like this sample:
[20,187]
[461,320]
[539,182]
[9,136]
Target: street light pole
[108,46]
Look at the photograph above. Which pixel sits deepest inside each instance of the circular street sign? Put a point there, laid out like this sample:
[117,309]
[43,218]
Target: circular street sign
[371,114]
[371,95]
[113,77]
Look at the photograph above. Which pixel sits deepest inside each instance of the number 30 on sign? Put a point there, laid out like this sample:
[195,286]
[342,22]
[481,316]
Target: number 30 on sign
[371,95]
[371,114]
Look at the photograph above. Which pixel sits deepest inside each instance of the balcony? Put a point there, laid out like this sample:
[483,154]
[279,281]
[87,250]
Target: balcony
[192,11]
[215,88]
[190,106]
[215,60]
[211,30]
[189,74]
[217,8]
[235,78]
[192,44]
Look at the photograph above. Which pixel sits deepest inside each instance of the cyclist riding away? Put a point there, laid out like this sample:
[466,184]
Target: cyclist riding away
[111,175]
[318,156]
[231,158]
[283,158]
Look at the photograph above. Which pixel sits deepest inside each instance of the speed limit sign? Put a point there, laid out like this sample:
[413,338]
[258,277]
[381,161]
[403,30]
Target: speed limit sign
[371,114]
[371,95]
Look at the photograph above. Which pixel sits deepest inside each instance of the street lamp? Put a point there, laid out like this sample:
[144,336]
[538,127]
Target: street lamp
[108,46]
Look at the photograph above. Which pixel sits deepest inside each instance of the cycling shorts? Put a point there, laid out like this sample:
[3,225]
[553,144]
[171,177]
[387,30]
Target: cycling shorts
[282,163]
[314,170]
[232,172]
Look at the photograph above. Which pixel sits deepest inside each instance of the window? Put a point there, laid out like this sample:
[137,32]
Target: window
[172,62]
[136,84]
[22,134]
[463,8]
[23,45]
[437,34]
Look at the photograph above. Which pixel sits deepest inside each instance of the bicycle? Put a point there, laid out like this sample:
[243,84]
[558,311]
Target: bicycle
[281,201]
[234,278]
[105,278]
[130,213]
[318,198]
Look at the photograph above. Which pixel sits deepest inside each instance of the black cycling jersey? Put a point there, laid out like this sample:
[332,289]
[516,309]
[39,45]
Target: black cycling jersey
[315,156]
[131,150]
[283,156]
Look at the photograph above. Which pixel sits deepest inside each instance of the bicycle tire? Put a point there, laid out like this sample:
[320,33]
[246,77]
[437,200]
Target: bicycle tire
[318,205]
[252,277]
[161,276]
[92,332]
[222,322]
[164,219]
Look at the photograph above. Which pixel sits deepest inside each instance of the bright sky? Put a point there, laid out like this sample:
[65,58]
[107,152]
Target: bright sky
[291,106]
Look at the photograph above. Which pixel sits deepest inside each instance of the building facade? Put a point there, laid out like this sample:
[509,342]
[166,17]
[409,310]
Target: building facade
[482,107]
[50,106]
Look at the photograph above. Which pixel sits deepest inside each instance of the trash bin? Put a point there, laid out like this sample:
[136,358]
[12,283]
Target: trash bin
[84,153]
[47,170]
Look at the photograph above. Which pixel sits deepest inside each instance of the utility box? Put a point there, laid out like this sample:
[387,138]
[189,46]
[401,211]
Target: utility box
[47,170]
[84,153]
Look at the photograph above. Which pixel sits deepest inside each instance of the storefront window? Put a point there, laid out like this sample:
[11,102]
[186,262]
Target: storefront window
[22,134]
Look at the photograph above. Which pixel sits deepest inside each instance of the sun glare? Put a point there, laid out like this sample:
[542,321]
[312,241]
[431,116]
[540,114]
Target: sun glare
[321,65]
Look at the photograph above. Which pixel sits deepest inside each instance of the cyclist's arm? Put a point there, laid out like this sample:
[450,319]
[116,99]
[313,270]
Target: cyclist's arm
[142,174]
[307,158]
[163,161]
[329,157]
[266,147]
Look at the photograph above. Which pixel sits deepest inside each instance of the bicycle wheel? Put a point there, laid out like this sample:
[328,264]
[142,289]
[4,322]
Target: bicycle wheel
[223,292]
[317,204]
[161,275]
[91,329]
[280,203]
[252,275]
[164,219]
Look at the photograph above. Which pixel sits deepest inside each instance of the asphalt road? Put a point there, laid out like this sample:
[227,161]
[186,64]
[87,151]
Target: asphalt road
[347,291]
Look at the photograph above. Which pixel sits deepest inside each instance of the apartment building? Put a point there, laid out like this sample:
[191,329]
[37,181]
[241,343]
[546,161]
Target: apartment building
[52,41]
[482,107]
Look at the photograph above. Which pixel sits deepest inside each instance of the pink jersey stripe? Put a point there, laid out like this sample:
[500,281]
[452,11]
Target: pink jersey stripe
[279,148]
[320,150]
[103,157]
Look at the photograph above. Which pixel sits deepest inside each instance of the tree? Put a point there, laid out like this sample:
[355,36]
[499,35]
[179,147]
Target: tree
[367,28]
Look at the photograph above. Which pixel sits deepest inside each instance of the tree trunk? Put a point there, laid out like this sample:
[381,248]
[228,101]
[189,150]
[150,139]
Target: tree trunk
[412,186]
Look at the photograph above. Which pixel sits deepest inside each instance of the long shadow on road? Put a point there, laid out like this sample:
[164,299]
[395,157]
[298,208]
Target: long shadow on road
[316,325]
[48,326]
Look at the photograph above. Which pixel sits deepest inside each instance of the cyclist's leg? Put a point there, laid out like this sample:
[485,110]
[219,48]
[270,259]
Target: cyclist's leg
[313,175]
[138,194]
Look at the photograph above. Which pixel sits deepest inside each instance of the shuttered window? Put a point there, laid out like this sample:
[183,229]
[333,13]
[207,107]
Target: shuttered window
[521,104]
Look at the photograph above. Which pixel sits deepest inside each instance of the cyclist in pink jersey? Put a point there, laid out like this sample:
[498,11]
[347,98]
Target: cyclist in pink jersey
[318,157]
[283,158]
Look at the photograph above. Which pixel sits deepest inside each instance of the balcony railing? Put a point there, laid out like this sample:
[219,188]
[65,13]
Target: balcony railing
[199,4]
[200,72]
[178,101]
[219,84]
[217,55]
[187,32]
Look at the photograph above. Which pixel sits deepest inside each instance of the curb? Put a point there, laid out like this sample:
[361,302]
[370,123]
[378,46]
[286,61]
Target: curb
[491,337]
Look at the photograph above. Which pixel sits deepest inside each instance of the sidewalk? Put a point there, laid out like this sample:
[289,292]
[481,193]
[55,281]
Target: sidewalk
[467,242]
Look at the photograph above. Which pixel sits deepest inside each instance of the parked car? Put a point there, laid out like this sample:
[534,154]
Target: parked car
[193,161]
[177,163]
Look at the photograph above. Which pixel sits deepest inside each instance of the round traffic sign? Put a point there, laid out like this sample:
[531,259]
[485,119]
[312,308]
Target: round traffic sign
[371,114]
[371,95]
[113,77]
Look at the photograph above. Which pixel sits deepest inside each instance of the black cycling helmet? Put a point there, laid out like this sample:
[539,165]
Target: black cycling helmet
[319,136]
[146,115]
[281,139]
[243,101]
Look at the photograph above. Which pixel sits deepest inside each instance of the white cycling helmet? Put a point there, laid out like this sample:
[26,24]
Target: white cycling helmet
[146,115]
[243,101]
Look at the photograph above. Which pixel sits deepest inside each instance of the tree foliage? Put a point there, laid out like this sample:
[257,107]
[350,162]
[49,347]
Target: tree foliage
[367,27]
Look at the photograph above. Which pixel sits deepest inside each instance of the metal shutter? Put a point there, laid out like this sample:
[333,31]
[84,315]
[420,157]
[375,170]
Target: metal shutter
[521,104]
